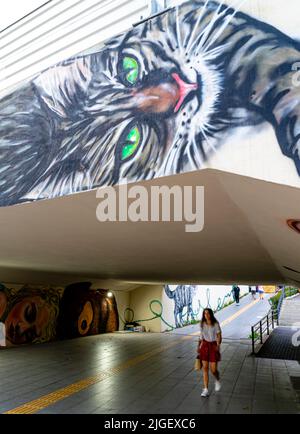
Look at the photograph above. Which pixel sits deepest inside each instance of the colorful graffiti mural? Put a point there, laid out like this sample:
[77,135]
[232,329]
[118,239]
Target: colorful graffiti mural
[85,312]
[191,300]
[153,102]
[32,315]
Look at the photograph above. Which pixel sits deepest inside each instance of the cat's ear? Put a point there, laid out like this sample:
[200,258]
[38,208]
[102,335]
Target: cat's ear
[116,42]
[113,44]
[59,86]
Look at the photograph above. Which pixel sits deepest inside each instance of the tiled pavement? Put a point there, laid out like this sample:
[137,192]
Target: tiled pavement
[161,382]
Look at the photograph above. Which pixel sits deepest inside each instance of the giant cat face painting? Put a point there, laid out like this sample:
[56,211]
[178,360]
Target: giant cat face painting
[154,102]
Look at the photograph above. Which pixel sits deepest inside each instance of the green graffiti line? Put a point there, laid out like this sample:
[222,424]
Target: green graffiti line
[222,302]
[157,315]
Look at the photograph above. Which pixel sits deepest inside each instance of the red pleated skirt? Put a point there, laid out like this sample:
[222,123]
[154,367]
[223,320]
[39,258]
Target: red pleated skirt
[209,352]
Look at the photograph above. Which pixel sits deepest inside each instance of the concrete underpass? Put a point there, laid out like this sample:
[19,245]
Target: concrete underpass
[132,373]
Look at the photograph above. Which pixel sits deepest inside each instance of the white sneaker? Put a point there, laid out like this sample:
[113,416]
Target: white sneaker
[218,386]
[205,393]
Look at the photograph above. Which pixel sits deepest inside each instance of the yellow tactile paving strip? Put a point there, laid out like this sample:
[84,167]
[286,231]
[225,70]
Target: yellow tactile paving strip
[54,397]
[59,395]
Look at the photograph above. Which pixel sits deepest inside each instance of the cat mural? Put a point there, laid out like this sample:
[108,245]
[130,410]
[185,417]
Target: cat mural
[153,102]
[183,298]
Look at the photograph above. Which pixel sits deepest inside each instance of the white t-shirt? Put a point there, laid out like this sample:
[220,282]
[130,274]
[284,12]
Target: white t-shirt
[210,333]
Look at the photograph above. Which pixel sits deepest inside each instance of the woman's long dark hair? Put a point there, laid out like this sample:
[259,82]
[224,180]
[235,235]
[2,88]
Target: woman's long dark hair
[212,317]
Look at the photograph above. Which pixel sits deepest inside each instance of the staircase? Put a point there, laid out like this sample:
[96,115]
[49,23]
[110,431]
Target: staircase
[290,312]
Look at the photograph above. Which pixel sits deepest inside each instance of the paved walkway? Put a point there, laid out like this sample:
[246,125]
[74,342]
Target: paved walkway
[236,321]
[140,373]
[290,312]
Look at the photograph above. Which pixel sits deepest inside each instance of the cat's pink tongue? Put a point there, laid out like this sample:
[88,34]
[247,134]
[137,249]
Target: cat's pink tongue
[184,90]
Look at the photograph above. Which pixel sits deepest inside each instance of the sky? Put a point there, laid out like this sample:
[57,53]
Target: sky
[13,10]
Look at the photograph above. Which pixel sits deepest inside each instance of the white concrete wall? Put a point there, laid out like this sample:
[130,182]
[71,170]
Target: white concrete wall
[123,302]
[140,301]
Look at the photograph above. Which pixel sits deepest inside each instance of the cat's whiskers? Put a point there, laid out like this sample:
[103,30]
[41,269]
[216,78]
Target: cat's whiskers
[190,42]
[206,31]
[177,136]
[208,140]
[178,32]
[208,35]
[193,157]
[194,145]
[226,23]
[204,35]
[215,52]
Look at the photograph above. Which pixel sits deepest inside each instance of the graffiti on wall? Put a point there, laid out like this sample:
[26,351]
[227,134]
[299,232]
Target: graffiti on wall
[84,312]
[43,314]
[183,299]
[191,300]
[155,101]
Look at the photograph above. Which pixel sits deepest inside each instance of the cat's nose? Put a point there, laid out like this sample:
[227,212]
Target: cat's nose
[184,90]
[164,97]
[157,99]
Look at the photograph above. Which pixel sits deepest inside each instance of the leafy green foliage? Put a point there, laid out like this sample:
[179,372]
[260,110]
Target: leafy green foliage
[289,292]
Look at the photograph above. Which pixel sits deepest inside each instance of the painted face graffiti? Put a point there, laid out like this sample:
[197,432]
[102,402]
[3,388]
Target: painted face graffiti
[28,320]
[86,312]
[37,315]
[156,101]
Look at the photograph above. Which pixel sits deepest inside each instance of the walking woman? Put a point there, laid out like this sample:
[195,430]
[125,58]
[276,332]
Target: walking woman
[209,349]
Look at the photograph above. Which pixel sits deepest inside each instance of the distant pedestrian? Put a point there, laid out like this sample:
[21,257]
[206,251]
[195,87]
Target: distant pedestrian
[209,349]
[261,292]
[236,291]
[253,292]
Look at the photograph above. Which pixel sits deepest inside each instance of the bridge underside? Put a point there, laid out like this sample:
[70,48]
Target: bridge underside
[245,239]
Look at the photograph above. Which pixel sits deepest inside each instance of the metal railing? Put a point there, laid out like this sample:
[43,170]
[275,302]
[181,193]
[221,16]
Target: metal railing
[280,302]
[263,328]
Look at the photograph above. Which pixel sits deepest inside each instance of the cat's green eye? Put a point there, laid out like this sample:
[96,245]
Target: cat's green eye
[132,142]
[132,69]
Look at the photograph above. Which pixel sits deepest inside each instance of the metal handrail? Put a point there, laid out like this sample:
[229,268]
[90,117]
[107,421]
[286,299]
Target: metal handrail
[280,302]
[259,329]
